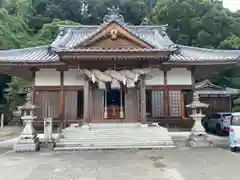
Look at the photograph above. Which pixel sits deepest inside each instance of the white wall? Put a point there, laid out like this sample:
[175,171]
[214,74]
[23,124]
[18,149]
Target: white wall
[157,79]
[47,77]
[70,78]
[179,76]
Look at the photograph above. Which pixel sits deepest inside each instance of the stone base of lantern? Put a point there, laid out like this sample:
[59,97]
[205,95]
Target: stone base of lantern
[27,145]
[198,141]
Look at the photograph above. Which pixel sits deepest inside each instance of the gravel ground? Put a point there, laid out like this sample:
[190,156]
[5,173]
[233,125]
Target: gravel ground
[178,164]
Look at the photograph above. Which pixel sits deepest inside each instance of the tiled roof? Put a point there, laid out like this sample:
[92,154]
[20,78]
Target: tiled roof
[35,54]
[205,84]
[206,87]
[187,53]
[70,36]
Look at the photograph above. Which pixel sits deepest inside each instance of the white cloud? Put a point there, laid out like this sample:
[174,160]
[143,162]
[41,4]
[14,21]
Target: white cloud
[233,5]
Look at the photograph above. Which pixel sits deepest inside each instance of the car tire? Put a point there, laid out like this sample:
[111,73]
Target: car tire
[206,126]
[218,129]
[233,149]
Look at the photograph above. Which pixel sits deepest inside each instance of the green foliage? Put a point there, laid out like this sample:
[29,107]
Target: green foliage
[14,95]
[233,42]
[203,23]
[236,105]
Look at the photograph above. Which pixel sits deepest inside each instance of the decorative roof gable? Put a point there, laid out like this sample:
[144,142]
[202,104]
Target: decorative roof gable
[113,29]
[116,36]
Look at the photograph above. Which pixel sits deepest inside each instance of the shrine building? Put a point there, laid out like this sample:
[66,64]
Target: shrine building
[114,73]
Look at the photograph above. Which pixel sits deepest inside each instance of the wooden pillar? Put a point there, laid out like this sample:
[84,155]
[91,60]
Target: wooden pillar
[166,95]
[143,100]
[121,104]
[138,104]
[61,94]
[192,69]
[33,86]
[105,116]
[64,122]
[33,71]
[86,102]
[90,106]
[182,106]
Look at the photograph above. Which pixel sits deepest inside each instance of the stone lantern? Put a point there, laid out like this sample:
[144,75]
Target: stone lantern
[198,136]
[28,140]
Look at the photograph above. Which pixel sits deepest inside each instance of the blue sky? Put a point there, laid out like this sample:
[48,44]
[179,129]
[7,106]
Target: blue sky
[233,5]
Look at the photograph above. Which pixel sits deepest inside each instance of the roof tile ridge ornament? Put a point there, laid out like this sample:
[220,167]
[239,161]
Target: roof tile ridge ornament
[164,30]
[113,15]
[175,48]
[62,39]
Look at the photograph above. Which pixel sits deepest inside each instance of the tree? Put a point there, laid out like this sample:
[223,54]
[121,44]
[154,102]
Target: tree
[203,23]
[233,42]
[14,96]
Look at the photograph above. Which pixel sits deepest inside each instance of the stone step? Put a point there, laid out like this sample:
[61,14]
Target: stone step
[114,147]
[112,125]
[114,133]
[116,139]
[119,141]
[113,142]
[114,130]
[77,138]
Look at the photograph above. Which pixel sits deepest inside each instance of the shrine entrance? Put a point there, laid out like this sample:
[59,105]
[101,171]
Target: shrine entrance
[114,104]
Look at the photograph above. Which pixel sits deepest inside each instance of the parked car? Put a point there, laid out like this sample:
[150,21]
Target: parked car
[218,122]
[234,132]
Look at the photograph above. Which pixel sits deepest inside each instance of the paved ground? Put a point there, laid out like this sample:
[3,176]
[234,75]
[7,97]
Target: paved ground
[182,163]
[9,132]
[88,165]
[197,164]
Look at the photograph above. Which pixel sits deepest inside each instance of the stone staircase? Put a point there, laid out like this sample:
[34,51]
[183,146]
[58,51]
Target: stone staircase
[114,136]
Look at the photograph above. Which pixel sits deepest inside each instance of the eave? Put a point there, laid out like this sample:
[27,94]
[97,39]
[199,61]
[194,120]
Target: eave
[113,54]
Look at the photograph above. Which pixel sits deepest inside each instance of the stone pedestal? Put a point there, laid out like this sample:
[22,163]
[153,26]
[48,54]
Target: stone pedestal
[48,130]
[27,145]
[28,140]
[198,129]
[198,137]
[198,141]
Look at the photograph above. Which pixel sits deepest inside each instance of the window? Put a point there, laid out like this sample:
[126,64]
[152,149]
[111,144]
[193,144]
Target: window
[235,121]
[215,116]
[155,103]
[175,103]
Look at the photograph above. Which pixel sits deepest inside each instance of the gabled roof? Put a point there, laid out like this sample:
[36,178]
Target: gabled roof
[206,87]
[207,84]
[70,36]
